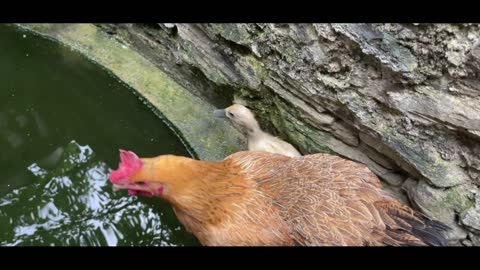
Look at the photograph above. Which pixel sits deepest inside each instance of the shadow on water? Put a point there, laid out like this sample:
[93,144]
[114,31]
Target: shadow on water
[62,121]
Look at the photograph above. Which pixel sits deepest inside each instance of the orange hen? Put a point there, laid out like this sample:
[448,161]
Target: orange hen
[260,198]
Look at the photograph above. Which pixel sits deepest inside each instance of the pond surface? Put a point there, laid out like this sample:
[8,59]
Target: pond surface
[62,121]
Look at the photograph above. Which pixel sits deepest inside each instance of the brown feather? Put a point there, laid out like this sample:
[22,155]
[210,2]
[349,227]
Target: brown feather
[259,198]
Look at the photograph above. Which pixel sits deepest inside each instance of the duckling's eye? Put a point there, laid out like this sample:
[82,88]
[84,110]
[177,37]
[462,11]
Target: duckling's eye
[231,114]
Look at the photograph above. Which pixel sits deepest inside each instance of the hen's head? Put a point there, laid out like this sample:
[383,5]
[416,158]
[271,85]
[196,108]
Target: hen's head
[124,177]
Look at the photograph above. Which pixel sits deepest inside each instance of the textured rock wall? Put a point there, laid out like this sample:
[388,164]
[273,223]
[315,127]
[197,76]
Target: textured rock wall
[403,99]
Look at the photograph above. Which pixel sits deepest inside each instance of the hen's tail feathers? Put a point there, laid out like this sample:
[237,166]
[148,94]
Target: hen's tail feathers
[430,232]
[408,227]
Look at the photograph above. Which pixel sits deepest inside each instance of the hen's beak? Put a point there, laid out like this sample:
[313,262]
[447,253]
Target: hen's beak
[116,188]
[220,113]
[141,188]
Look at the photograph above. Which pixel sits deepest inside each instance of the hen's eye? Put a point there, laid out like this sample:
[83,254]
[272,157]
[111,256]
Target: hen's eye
[231,114]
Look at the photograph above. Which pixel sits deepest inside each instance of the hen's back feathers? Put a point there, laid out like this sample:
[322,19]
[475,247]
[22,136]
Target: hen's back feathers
[327,200]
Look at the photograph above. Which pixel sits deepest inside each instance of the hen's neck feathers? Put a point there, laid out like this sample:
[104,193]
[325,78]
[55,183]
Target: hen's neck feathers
[200,188]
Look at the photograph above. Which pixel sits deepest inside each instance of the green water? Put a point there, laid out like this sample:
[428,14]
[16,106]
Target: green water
[62,121]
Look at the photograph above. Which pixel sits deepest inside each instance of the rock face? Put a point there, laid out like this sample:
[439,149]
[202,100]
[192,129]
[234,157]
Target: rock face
[403,99]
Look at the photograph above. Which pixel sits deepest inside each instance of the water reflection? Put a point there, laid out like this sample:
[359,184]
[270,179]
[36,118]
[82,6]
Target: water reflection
[53,192]
[73,204]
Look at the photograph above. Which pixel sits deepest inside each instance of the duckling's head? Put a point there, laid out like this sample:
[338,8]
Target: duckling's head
[240,116]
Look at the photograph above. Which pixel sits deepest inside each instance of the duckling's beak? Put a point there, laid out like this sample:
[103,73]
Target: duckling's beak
[220,113]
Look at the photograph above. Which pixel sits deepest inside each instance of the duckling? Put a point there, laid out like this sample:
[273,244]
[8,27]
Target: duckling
[244,120]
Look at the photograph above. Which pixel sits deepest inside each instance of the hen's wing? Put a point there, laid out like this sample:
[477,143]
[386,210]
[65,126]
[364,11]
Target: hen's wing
[327,200]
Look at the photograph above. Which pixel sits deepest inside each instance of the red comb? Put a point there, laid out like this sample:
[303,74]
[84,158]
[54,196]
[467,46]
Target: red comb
[129,164]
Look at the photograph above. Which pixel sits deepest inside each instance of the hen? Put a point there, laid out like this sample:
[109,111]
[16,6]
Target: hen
[259,198]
